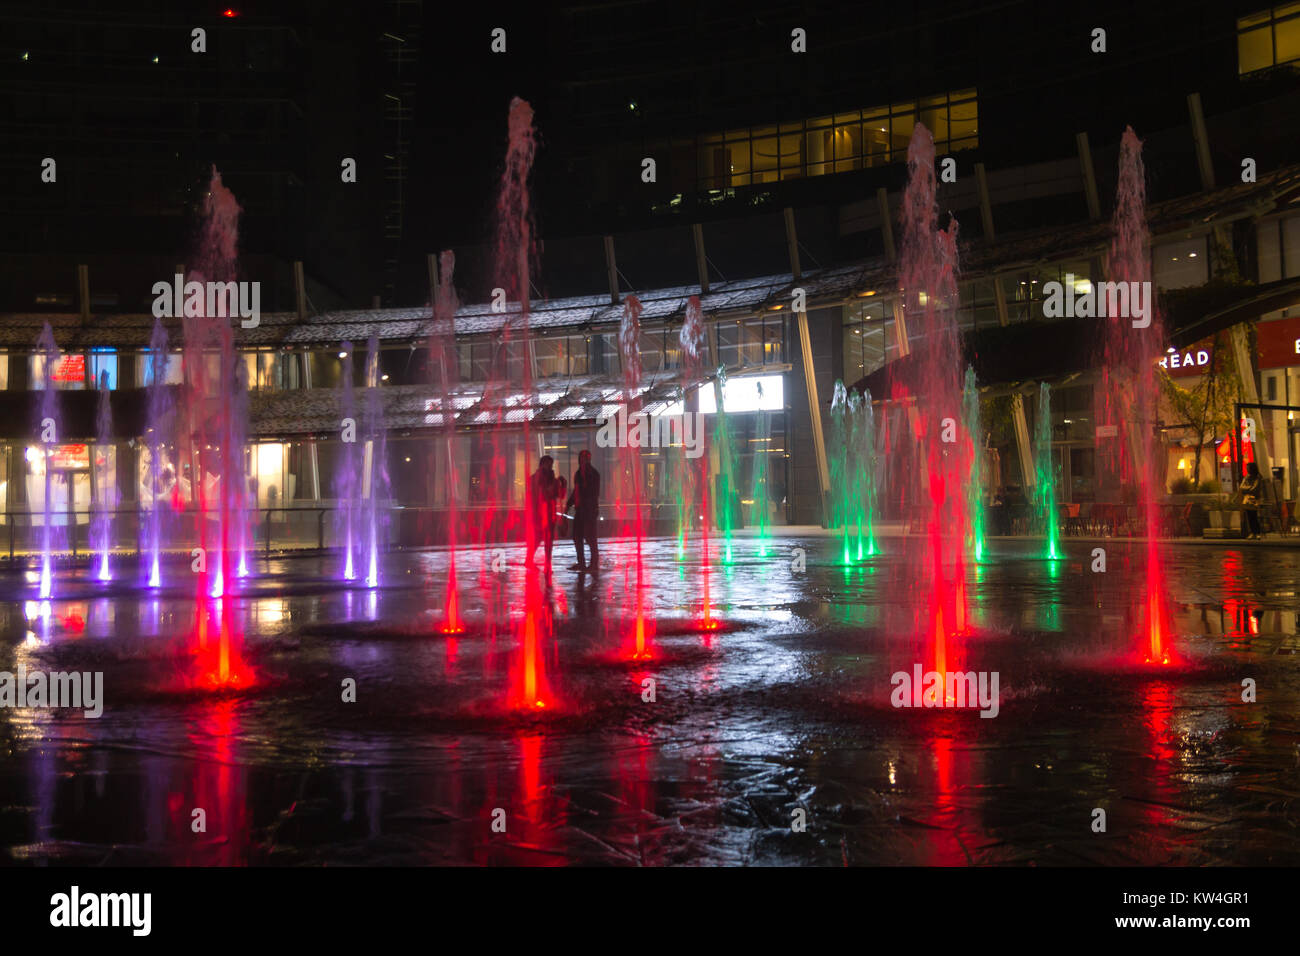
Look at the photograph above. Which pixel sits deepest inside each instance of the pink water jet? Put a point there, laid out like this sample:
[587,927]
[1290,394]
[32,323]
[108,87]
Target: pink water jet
[216,430]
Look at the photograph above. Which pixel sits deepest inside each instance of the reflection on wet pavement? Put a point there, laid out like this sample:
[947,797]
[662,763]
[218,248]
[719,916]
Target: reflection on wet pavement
[785,708]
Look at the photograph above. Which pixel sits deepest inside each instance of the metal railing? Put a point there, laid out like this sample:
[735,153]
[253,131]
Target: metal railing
[277,529]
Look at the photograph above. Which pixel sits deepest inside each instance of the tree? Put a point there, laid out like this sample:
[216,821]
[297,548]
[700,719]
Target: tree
[1207,406]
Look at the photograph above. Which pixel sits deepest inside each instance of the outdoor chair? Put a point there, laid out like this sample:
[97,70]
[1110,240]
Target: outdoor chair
[1071,519]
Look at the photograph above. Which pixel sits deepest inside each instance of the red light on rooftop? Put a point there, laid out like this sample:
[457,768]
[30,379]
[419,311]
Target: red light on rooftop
[230,12]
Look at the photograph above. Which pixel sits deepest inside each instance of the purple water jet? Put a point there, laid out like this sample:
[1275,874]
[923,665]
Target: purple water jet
[375,471]
[101,527]
[161,476]
[48,430]
[345,479]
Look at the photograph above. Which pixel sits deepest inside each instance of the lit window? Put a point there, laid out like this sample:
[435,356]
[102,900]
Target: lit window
[835,144]
[1269,38]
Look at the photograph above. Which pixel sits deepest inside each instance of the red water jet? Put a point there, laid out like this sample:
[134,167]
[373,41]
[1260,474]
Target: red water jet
[444,361]
[219,664]
[1127,398]
[530,690]
[928,286]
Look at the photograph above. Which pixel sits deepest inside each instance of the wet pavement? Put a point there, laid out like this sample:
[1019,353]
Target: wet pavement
[769,741]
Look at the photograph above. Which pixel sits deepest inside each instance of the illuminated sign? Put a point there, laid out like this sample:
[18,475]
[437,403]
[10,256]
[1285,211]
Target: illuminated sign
[758,393]
[71,368]
[70,456]
[1185,360]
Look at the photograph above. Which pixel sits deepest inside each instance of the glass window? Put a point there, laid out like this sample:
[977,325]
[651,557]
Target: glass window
[875,138]
[900,132]
[1286,40]
[262,371]
[791,156]
[651,350]
[1254,50]
[69,372]
[728,343]
[774,339]
[552,357]
[819,150]
[934,114]
[1180,263]
[767,160]
[978,300]
[172,369]
[103,362]
[1268,38]
[577,349]
[868,333]
[832,144]
[751,342]
[104,488]
[963,122]
[712,170]
[738,166]
[848,148]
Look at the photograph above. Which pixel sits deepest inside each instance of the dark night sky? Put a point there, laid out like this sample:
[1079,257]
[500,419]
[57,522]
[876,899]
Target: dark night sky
[692,66]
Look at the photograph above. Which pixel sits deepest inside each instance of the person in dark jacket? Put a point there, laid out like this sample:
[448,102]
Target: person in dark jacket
[586,496]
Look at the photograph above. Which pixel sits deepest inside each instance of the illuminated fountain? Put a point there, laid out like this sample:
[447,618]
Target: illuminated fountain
[928,277]
[862,451]
[345,479]
[853,473]
[241,506]
[216,429]
[694,481]
[444,364]
[975,492]
[529,690]
[629,490]
[217,423]
[159,477]
[374,469]
[101,525]
[686,471]
[724,500]
[1127,396]
[1045,475]
[49,432]
[841,503]
[760,494]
